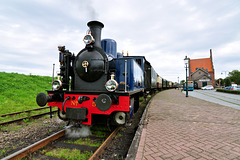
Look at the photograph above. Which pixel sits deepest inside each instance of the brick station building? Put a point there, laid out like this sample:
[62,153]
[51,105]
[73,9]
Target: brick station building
[201,71]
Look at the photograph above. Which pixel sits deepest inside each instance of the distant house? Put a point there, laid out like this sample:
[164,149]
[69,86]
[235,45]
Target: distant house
[201,71]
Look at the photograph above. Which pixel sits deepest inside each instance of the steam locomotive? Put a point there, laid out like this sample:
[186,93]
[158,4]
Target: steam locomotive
[99,83]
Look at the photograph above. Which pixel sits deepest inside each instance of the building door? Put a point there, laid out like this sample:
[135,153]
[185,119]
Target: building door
[204,84]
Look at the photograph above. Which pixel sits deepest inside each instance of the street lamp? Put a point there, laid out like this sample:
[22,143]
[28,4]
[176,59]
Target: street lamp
[224,72]
[186,66]
[178,83]
[225,77]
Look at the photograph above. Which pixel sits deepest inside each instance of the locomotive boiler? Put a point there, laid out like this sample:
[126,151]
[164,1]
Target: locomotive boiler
[97,84]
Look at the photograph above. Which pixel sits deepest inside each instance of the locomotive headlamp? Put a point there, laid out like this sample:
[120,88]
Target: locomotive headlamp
[111,84]
[88,39]
[56,85]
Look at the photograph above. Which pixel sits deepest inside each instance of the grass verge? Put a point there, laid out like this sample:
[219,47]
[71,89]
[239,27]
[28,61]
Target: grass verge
[19,91]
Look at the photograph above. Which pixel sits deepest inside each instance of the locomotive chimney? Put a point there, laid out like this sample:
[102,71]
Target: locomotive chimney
[96,28]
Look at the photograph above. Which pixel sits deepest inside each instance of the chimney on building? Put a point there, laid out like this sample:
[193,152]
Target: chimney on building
[211,54]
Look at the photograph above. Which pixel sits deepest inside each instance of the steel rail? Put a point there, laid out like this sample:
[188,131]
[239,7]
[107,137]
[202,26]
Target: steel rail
[96,155]
[25,151]
[20,119]
[11,114]
[34,147]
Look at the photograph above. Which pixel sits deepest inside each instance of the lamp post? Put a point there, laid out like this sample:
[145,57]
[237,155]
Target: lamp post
[178,83]
[224,72]
[186,66]
[224,77]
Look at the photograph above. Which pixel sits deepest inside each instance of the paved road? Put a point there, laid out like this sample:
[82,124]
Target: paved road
[180,128]
[226,99]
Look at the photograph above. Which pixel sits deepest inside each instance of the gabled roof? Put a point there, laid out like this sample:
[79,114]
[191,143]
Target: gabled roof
[199,69]
[204,63]
[204,75]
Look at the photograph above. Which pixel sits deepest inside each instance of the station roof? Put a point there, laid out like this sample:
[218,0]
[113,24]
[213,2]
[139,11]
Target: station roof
[204,63]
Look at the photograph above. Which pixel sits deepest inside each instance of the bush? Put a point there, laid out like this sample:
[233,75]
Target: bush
[229,91]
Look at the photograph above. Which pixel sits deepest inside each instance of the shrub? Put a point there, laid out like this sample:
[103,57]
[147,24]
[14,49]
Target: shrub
[229,91]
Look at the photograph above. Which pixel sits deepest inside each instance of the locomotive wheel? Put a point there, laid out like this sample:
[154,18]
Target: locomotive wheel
[62,115]
[120,118]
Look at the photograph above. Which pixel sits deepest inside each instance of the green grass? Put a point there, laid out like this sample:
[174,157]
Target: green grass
[99,128]
[84,141]
[18,91]
[2,152]
[100,134]
[70,154]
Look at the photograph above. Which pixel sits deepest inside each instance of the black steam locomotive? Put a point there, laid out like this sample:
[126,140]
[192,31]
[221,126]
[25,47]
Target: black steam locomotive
[99,83]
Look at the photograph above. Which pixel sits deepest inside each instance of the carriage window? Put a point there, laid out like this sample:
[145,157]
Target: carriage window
[139,61]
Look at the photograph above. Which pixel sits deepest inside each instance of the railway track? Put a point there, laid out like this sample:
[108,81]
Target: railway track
[25,151]
[27,111]
[59,140]
[108,153]
[28,117]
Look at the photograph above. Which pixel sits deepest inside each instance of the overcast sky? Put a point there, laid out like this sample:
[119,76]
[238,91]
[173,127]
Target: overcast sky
[162,31]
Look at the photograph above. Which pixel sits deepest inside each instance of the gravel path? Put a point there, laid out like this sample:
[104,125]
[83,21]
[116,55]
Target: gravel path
[17,136]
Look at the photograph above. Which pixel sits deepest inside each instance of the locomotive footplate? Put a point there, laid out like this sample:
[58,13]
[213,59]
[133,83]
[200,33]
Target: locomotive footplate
[76,113]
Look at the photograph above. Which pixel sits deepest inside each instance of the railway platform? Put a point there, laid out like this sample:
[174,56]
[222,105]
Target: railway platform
[180,128]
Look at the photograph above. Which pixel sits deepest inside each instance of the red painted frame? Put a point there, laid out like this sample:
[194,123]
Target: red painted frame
[123,105]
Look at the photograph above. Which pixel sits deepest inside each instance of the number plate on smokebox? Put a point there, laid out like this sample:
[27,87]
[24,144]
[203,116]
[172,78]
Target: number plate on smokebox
[76,113]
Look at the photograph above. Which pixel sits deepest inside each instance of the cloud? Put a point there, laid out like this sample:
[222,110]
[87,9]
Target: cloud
[162,31]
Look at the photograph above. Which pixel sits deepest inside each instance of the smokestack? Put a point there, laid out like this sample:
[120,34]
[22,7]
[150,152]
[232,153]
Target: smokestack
[211,54]
[96,28]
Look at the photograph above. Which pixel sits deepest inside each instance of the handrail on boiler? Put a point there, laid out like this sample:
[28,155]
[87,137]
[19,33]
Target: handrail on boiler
[125,75]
